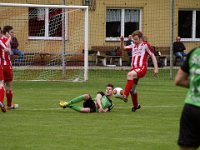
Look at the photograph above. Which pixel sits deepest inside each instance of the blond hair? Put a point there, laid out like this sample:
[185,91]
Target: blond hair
[137,33]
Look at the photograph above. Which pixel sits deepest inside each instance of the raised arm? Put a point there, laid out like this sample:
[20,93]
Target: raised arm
[9,39]
[122,43]
[6,49]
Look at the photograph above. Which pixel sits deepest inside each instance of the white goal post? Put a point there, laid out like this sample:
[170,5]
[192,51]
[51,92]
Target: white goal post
[54,38]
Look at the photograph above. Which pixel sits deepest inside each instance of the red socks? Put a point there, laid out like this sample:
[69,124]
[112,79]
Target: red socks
[134,98]
[2,94]
[9,96]
[129,85]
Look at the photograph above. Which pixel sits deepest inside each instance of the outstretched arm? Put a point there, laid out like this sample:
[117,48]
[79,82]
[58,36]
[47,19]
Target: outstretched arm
[155,64]
[122,43]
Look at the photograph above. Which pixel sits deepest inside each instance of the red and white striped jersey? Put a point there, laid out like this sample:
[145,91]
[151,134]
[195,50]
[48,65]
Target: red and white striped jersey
[4,56]
[139,54]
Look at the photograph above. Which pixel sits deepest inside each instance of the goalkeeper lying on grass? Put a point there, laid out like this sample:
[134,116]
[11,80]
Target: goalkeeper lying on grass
[102,103]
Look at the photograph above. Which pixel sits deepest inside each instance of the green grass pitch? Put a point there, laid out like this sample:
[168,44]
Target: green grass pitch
[39,123]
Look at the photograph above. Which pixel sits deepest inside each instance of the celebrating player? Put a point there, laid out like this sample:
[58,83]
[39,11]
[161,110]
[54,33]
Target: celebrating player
[3,48]
[140,52]
[102,103]
[7,67]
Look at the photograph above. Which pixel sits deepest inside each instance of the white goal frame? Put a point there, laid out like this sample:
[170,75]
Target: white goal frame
[85,9]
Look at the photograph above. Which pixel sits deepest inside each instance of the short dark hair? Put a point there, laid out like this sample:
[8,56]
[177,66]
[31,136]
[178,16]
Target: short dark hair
[7,29]
[110,85]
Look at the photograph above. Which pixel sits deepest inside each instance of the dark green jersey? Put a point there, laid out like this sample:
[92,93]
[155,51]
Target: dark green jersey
[192,67]
[105,101]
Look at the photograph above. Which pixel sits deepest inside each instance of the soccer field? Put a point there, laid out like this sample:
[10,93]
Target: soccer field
[39,123]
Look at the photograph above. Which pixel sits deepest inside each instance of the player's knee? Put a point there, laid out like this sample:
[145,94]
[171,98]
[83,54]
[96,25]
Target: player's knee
[87,96]
[1,83]
[131,75]
[9,85]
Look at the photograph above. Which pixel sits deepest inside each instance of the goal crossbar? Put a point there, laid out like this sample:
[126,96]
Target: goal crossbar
[42,6]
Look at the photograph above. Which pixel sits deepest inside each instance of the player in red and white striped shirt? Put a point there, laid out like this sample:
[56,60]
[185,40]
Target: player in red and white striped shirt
[140,52]
[7,67]
[3,48]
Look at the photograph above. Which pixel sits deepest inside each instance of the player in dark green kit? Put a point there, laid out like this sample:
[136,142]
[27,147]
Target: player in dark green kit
[189,76]
[102,102]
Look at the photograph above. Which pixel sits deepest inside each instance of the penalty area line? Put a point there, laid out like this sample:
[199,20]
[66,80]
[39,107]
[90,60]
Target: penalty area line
[164,106]
[39,109]
[157,106]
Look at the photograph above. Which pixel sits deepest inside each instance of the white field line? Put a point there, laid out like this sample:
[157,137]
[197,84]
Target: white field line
[79,67]
[47,109]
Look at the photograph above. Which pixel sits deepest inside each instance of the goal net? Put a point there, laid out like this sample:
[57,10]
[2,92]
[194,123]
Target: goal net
[53,39]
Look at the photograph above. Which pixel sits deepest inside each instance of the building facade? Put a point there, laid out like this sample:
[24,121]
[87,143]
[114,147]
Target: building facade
[108,20]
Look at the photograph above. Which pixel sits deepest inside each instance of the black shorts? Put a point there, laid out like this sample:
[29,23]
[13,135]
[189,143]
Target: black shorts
[189,132]
[90,104]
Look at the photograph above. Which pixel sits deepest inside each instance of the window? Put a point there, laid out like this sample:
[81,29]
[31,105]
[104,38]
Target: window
[45,23]
[197,24]
[131,22]
[189,24]
[121,22]
[87,2]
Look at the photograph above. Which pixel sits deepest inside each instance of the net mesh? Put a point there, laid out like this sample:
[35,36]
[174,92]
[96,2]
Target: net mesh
[161,21]
[52,42]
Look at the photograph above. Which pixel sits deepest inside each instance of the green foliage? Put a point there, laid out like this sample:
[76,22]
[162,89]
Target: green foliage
[39,123]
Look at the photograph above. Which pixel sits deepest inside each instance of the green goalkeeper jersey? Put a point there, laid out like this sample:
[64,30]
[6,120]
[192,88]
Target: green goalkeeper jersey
[192,67]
